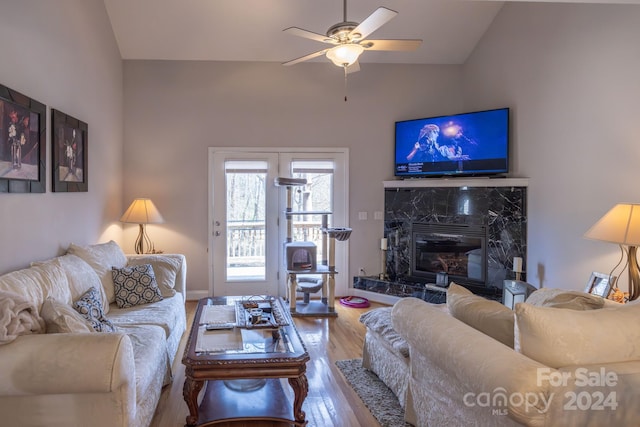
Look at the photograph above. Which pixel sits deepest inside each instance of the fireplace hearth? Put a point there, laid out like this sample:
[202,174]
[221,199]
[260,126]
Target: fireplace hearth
[467,229]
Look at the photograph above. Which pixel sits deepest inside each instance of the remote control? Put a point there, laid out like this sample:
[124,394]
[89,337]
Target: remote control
[219,326]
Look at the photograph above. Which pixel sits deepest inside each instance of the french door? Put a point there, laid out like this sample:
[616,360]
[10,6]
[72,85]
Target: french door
[247,221]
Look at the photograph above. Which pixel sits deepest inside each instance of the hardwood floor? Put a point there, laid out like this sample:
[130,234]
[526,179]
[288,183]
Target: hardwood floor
[330,403]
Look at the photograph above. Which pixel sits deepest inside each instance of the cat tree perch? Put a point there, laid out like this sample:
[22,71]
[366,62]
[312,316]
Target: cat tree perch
[301,260]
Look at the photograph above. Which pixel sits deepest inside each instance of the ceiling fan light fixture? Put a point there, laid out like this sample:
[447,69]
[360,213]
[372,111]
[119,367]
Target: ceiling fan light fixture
[345,54]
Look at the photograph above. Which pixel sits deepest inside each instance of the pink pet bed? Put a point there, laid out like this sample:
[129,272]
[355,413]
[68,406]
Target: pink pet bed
[355,302]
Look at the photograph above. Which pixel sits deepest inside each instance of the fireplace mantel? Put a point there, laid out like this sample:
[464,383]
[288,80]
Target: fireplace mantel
[457,182]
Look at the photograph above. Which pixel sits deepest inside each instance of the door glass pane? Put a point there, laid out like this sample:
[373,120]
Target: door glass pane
[246,190]
[315,196]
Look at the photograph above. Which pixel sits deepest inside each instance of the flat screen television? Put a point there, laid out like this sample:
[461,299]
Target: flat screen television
[468,144]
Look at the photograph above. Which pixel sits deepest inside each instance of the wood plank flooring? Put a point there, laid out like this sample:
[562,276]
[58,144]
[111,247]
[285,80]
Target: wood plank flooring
[330,403]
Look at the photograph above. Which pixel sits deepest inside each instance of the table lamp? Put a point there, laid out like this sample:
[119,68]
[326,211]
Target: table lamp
[142,212]
[621,225]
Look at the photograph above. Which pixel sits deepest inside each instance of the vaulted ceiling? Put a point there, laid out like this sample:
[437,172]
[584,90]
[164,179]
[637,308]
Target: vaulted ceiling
[251,30]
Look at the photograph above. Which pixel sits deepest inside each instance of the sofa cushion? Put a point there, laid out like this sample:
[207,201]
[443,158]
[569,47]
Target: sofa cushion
[90,307]
[378,320]
[166,314]
[561,298]
[81,277]
[489,317]
[560,337]
[149,354]
[165,268]
[62,318]
[101,258]
[135,285]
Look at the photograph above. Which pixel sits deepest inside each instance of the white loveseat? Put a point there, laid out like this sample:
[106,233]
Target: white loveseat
[549,364]
[56,370]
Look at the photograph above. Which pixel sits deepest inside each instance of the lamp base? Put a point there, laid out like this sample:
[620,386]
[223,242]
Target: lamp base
[634,273]
[143,240]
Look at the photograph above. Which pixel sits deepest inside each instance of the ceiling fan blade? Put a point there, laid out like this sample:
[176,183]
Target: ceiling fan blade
[405,45]
[377,19]
[353,68]
[306,57]
[295,31]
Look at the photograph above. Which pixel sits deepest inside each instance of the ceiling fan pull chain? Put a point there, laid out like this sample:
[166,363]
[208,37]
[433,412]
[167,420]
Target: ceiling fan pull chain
[345,82]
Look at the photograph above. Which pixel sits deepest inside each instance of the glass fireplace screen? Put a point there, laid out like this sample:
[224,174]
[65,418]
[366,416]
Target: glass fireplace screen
[459,251]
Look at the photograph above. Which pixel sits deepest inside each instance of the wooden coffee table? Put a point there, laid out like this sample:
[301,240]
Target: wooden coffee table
[244,367]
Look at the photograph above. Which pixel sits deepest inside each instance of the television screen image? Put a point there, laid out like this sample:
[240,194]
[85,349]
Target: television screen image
[466,144]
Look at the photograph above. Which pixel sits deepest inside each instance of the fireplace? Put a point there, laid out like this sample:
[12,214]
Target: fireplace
[449,252]
[468,229]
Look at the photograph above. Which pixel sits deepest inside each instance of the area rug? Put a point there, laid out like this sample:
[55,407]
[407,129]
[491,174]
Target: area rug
[377,397]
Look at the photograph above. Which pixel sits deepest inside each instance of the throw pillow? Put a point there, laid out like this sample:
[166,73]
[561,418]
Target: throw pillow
[135,285]
[561,298]
[560,337]
[164,267]
[90,307]
[489,317]
[82,277]
[379,320]
[52,280]
[101,258]
[61,318]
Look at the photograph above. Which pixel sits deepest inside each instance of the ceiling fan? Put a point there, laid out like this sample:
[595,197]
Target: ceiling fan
[349,39]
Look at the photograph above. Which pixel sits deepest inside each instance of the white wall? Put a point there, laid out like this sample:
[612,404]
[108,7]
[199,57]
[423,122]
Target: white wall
[174,111]
[570,74]
[63,54]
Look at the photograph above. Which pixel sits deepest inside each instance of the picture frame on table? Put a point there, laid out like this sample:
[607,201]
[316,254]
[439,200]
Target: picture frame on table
[69,153]
[23,148]
[600,284]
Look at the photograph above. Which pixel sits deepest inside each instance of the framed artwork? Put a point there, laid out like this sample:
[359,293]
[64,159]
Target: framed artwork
[600,284]
[22,143]
[69,153]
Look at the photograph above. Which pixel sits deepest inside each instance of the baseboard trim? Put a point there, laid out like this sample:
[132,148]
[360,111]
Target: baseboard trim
[196,295]
[376,297]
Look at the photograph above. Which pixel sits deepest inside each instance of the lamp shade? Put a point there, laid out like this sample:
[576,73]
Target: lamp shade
[344,55]
[142,211]
[620,225]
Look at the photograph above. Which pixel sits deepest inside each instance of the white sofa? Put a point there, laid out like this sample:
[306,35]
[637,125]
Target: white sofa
[462,364]
[56,370]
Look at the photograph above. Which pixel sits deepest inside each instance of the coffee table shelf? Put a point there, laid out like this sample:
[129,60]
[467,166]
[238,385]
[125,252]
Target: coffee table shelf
[270,403]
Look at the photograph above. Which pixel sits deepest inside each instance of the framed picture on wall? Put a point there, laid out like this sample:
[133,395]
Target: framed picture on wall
[69,153]
[22,143]
[600,284]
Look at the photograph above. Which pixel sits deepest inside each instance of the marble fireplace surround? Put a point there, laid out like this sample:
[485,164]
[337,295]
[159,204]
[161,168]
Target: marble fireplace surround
[498,204]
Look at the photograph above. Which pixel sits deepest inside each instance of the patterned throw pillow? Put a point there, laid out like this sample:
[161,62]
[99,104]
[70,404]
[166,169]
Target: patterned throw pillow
[90,307]
[165,268]
[135,285]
